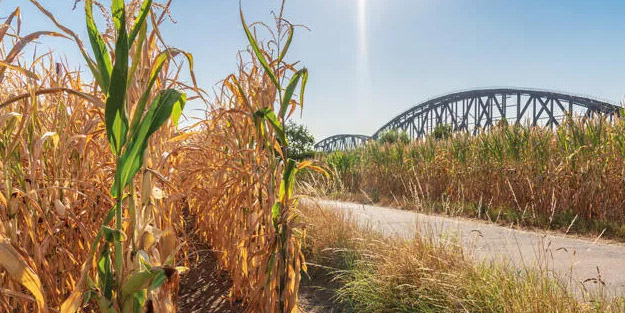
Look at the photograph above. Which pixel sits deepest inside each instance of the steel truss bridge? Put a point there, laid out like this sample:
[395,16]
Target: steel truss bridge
[476,110]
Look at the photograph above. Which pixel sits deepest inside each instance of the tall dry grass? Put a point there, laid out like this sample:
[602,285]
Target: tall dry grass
[573,176]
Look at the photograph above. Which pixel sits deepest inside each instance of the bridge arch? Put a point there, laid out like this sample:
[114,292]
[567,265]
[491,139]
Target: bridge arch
[341,142]
[479,109]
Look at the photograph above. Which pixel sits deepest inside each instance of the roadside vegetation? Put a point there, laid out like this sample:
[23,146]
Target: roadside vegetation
[371,272]
[570,179]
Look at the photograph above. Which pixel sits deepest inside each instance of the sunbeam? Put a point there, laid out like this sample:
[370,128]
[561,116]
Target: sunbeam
[363,49]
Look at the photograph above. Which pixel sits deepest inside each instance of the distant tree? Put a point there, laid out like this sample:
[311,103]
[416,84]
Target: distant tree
[442,131]
[301,141]
[394,136]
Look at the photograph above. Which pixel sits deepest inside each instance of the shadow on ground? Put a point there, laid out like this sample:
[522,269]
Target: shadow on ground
[317,292]
[204,288]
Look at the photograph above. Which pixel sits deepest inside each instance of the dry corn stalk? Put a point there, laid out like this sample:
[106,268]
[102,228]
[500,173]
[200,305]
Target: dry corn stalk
[239,178]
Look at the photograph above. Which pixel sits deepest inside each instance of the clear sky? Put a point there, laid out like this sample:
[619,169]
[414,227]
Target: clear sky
[369,60]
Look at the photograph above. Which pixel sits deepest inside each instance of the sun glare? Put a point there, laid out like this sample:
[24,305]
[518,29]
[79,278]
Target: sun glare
[362,25]
[362,55]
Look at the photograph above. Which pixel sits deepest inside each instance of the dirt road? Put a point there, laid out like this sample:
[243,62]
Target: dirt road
[583,263]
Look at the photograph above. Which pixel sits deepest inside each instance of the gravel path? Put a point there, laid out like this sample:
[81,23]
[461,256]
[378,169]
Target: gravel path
[582,262]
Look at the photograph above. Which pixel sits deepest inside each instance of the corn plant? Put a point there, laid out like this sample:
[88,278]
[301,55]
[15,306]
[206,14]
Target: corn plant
[287,259]
[239,175]
[119,286]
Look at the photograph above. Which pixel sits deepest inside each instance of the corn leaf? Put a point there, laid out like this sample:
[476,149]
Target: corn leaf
[290,89]
[22,70]
[275,214]
[158,279]
[143,13]
[115,112]
[21,272]
[166,102]
[287,44]
[303,88]
[8,21]
[269,115]
[101,53]
[134,303]
[112,235]
[118,8]
[105,272]
[159,62]
[19,46]
[137,55]
[288,178]
[259,53]
[73,302]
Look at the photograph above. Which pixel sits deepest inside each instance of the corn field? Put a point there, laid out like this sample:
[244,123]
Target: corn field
[571,178]
[97,175]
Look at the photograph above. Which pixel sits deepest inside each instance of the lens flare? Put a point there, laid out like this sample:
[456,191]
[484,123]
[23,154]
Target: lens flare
[363,53]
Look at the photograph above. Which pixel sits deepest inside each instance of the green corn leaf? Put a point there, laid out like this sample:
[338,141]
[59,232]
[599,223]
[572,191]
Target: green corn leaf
[93,67]
[158,280]
[290,89]
[90,293]
[259,54]
[176,112]
[288,179]
[118,7]
[101,53]
[269,115]
[281,135]
[112,235]
[137,55]
[165,103]
[105,272]
[287,44]
[159,62]
[270,264]
[303,88]
[115,111]
[275,214]
[139,22]
[139,300]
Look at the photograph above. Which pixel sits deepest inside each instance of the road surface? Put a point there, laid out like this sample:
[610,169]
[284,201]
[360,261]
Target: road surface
[577,261]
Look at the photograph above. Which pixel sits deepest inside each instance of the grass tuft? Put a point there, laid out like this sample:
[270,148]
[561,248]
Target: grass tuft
[377,273]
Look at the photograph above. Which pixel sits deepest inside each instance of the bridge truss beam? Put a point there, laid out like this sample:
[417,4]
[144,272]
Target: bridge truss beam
[341,142]
[474,111]
[477,110]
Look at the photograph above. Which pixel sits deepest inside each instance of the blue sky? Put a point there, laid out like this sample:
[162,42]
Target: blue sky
[369,60]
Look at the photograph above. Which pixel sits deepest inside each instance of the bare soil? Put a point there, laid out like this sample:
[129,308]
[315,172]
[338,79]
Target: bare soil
[205,287]
[316,294]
